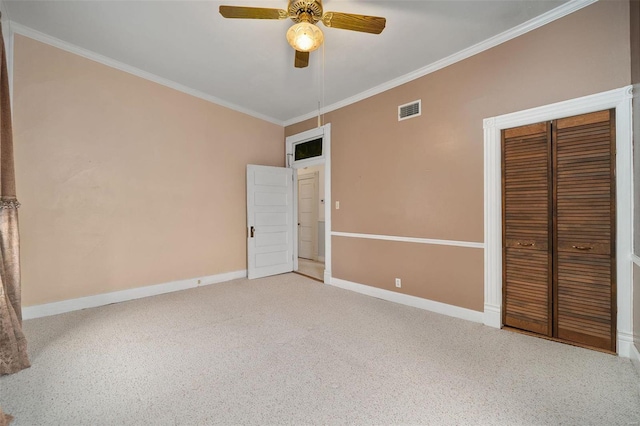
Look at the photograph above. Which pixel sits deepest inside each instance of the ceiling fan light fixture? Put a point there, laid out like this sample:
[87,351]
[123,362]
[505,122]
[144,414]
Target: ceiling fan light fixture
[305,37]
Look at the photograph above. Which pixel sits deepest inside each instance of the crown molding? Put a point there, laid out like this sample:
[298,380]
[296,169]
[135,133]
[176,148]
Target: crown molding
[23,30]
[537,22]
[557,13]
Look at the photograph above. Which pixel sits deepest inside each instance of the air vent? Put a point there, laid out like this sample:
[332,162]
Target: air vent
[410,110]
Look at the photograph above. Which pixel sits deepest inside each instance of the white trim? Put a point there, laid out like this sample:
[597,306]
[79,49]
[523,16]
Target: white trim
[56,308]
[625,344]
[105,60]
[620,99]
[537,22]
[323,132]
[635,259]
[492,314]
[308,135]
[409,239]
[405,299]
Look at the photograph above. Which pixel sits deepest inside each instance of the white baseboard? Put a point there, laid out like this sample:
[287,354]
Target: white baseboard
[55,308]
[405,299]
[625,344]
[492,316]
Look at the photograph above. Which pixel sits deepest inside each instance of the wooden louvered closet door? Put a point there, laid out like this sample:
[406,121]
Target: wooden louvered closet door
[526,162]
[584,231]
[558,186]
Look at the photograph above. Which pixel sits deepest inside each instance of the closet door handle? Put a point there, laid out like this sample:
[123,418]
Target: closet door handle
[582,248]
[527,244]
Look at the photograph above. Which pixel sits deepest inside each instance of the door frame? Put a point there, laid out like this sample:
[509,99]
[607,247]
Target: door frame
[621,100]
[323,132]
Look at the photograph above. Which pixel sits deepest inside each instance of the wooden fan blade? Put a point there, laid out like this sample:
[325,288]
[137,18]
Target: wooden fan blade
[252,12]
[350,21]
[302,59]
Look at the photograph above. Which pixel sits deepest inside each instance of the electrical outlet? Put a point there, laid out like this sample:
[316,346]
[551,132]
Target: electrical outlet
[337,205]
[398,282]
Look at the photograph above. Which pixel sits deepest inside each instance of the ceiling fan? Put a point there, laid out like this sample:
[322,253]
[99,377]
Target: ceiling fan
[305,36]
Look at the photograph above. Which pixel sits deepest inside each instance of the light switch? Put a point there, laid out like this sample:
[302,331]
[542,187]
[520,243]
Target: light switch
[337,205]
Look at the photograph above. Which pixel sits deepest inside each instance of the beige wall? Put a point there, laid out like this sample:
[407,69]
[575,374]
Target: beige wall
[124,182]
[635,79]
[412,263]
[423,177]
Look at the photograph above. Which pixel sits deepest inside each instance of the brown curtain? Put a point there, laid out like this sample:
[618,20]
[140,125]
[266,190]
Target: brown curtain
[13,345]
[5,419]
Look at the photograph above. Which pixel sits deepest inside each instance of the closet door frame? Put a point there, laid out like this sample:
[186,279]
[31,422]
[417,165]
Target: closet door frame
[620,99]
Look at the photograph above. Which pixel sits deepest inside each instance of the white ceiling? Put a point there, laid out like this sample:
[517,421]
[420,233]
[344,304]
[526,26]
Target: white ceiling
[248,65]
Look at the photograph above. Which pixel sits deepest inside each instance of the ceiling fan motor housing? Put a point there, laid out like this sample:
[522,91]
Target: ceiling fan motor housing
[303,10]
[304,36]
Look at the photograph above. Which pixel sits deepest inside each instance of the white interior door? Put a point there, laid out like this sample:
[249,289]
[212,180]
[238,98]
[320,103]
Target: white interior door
[308,216]
[269,220]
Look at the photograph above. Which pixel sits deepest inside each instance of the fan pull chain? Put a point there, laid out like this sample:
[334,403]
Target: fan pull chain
[321,89]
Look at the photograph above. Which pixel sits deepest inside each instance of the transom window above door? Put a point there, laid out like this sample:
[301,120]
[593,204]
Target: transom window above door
[308,150]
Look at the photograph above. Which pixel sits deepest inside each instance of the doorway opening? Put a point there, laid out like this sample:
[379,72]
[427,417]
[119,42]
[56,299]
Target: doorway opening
[311,221]
[308,154]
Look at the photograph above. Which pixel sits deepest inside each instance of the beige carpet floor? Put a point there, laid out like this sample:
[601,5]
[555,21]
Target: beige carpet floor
[290,350]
